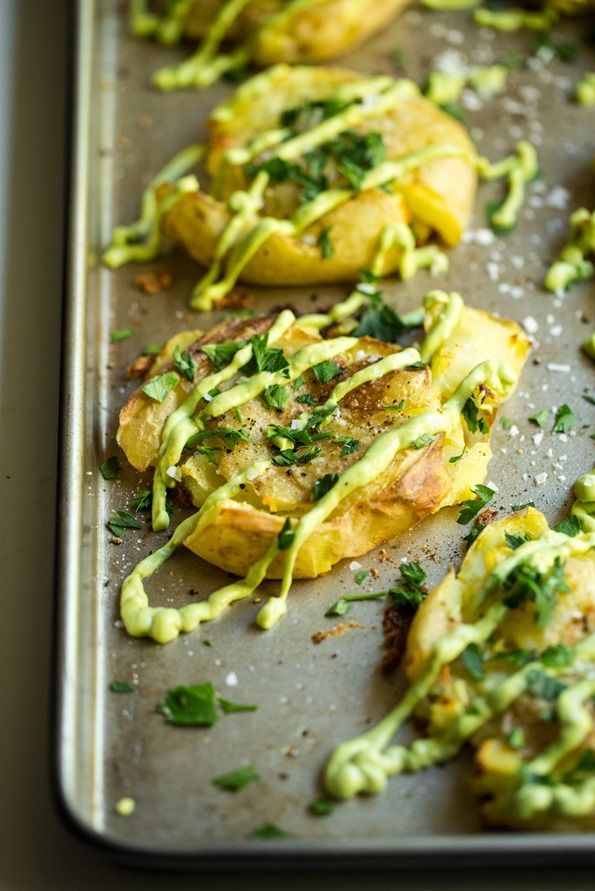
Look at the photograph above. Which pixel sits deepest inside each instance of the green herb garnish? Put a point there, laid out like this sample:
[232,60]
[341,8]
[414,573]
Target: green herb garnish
[142,501]
[348,444]
[473,506]
[232,708]
[325,243]
[525,583]
[121,334]
[472,660]
[184,364]
[557,656]
[269,831]
[276,396]
[110,468]
[515,540]
[190,706]
[286,536]
[380,321]
[322,807]
[326,371]
[540,418]
[544,685]
[343,605]
[221,354]
[565,420]
[422,441]
[264,357]
[161,385]
[361,575]
[121,520]
[411,589]
[306,399]
[236,779]
[571,527]
[121,687]
[472,417]
[324,485]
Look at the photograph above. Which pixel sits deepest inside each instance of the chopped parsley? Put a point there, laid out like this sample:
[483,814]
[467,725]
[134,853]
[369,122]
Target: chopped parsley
[322,807]
[161,385]
[472,417]
[565,420]
[380,321]
[121,520]
[232,708]
[190,706]
[325,243]
[121,334]
[110,468]
[326,371]
[517,658]
[475,530]
[306,399]
[221,354]
[454,110]
[310,114]
[473,506]
[395,406]
[236,779]
[472,660]
[348,445]
[506,423]
[411,589]
[515,540]
[287,457]
[544,686]
[517,507]
[264,357]
[570,527]
[121,687]
[525,583]
[557,656]
[231,435]
[286,536]
[184,364]
[276,396]
[152,349]
[324,485]
[343,604]
[361,575]
[209,452]
[540,418]
[516,738]
[589,399]
[268,831]
[456,458]
[142,501]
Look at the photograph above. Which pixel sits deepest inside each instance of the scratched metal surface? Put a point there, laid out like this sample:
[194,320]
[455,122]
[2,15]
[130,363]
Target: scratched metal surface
[309,697]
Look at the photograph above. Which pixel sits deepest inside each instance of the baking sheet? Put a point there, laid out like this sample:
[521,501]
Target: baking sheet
[310,697]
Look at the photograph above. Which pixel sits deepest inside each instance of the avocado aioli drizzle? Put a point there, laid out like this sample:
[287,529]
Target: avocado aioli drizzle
[365,763]
[165,624]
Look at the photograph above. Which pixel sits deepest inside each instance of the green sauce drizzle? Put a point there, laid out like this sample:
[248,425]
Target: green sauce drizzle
[572,264]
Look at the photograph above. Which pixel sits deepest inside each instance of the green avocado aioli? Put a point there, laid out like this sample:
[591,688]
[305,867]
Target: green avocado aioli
[572,264]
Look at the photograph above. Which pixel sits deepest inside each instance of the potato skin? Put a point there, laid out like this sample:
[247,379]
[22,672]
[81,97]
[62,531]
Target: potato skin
[439,195]
[314,34]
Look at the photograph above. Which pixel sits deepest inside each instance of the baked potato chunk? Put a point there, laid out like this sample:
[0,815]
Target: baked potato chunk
[501,655]
[269,429]
[320,30]
[325,141]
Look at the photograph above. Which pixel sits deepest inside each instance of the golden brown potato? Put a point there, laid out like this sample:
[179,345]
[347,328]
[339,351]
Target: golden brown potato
[435,196]
[320,30]
[417,482]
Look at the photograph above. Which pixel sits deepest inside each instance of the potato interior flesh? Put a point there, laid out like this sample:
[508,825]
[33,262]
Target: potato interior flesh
[496,654]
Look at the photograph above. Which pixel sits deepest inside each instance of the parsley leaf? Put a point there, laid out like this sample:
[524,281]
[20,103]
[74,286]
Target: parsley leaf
[286,536]
[343,604]
[306,399]
[152,349]
[411,590]
[361,575]
[121,520]
[190,706]
[209,451]
[232,708]
[287,457]
[557,656]
[517,507]
[231,435]
[589,399]
[184,364]
[506,423]
[236,779]
[565,420]
[161,385]
[396,406]
[121,334]
[325,243]
[475,530]
[324,485]
[540,418]
[326,371]
[456,458]
[472,417]
[121,687]
[264,357]
[571,527]
[276,396]
[348,444]
[525,583]
[514,540]
[544,685]
[472,660]
[269,831]
[380,321]
[110,468]
[322,807]
[221,354]
[142,501]
[474,505]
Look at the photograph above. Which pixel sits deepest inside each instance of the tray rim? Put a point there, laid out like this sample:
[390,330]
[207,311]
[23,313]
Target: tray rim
[428,852]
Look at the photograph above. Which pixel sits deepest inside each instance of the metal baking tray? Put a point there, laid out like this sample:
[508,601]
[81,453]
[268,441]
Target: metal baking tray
[310,697]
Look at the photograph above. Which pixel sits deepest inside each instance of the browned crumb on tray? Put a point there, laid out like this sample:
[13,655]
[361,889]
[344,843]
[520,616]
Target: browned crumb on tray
[395,628]
[238,298]
[152,283]
[336,631]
